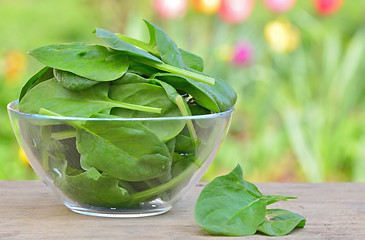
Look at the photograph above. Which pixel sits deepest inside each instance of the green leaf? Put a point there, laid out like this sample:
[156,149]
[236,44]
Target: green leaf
[92,188]
[176,98]
[167,48]
[191,60]
[94,62]
[227,207]
[52,96]
[279,222]
[130,78]
[43,75]
[218,97]
[181,162]
[116,43]
[184,144]
[72,81]
[122,149]
[148,95]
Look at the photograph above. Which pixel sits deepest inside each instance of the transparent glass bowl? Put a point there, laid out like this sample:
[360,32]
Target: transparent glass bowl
[119,167]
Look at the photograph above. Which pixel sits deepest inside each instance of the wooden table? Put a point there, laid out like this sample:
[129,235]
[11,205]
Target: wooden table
[29,211]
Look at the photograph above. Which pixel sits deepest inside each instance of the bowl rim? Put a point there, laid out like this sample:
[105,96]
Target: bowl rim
[12,108]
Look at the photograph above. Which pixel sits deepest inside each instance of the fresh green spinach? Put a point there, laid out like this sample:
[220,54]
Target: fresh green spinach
[232,206]
[83,103]
[280,222]
[120,163]
[94,62]
[125,150]
[72,81]
[151,95]
[43,75]
[218,97]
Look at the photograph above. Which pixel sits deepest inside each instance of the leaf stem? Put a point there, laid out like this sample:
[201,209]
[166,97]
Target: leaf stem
[138,43]
[136,107]
[63,134]
[171,69]
[140,196]
[181,104]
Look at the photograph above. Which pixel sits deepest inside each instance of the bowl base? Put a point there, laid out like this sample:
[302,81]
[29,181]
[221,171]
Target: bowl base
[117,213]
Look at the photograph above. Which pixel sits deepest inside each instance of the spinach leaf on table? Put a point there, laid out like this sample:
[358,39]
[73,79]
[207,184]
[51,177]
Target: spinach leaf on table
[52,96]
[280,222]
[232,206]
[123,149]
[72,81]
[94,62]
[227,207]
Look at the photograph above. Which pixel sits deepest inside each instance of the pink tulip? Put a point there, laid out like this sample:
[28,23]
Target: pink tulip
[327,7]
[242,54]
[170,8]
[279,5]
[235,11]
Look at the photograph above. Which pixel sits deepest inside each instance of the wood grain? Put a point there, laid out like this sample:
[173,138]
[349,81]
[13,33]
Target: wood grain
[29,211]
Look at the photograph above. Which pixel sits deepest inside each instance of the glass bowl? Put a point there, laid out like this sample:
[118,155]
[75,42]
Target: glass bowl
[119,167]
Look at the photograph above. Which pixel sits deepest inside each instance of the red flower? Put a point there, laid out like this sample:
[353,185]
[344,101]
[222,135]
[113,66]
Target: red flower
[279,5]
[235,11]
[170,8]
[327,7]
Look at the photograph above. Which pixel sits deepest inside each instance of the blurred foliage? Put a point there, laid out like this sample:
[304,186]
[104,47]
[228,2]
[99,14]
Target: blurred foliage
[297,70]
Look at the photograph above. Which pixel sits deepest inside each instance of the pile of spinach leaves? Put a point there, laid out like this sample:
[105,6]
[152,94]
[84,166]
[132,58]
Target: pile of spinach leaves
[232,206]
[121,163]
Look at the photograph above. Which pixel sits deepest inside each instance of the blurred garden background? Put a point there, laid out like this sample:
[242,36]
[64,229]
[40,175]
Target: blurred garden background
[296,65]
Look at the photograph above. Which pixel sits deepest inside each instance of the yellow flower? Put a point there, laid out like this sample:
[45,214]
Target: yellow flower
[22,156]
[225,53]
[281,36]
[207,6]
[14,67]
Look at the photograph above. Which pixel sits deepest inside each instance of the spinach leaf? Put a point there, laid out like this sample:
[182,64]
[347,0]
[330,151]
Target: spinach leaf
[181,162]
[122,149]
[232,206]
[280,222]
[167,48]
[72,81]
[141,69]
[116,43]
[184,144]
[148,95]
[92,188]
[175,97]
[227,207]
[218,97]
[94,62]
[43,75]
[191,60]
[130,78]
[169,52]
[52,96]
